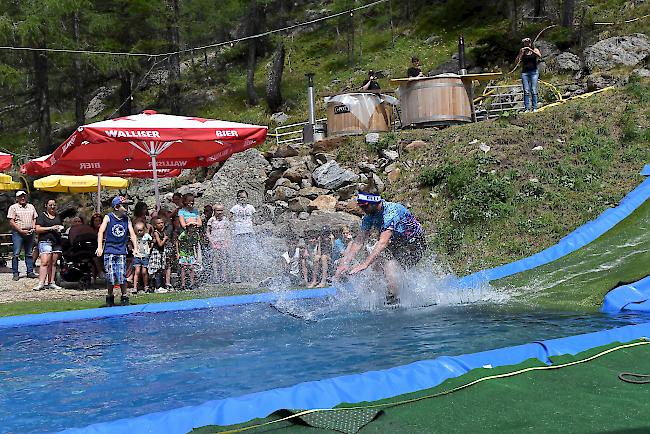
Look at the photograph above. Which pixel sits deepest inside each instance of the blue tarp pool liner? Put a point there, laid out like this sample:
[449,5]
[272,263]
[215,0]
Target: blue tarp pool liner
[201,303]
[368,386]
[634,296]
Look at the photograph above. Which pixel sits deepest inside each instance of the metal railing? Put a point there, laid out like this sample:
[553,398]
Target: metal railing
[292,133]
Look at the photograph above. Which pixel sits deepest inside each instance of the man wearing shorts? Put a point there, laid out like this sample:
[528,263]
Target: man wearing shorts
[401,242]
[118,229]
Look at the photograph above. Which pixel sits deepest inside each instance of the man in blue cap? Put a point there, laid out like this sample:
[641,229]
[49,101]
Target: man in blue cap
[118,229]
[401,242]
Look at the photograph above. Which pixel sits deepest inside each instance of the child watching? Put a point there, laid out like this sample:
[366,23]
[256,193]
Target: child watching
[244,234]
[157,261]
[291,263]
[219,236]
[141,257]
[118,229]
[186,251]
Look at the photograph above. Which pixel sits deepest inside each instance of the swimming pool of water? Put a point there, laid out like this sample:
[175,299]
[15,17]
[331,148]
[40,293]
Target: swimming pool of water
[74,374]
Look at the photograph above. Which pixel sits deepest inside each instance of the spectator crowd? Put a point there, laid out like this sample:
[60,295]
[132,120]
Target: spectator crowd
[175,248]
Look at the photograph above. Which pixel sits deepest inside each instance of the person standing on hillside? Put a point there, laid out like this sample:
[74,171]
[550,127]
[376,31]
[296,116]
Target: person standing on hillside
[22,219]
[529,56]
[401,242]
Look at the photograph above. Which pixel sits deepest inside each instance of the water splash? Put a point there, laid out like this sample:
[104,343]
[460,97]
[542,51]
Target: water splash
[427,285]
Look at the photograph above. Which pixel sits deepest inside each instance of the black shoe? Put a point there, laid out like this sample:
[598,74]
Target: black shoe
[32,276]
[110,300]
[124,300]
[16,277]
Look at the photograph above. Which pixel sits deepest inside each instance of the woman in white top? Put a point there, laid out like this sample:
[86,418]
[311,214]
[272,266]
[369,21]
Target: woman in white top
[243,232]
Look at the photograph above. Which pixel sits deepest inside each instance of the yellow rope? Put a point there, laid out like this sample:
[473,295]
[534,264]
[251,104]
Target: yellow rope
[446,392]
[622,22]
[583,96]
[553,88]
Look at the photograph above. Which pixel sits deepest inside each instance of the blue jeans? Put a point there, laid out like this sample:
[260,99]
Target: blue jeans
[529,82]
[20,242]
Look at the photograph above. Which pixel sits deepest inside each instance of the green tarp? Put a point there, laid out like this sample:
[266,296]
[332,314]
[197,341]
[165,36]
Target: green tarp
[583,398]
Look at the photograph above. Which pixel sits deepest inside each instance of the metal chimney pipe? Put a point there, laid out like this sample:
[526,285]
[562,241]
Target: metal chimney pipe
[308,130]
[310,95]
[461,56]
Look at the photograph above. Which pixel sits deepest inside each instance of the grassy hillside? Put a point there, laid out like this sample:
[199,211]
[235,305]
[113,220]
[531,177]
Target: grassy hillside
[486,209]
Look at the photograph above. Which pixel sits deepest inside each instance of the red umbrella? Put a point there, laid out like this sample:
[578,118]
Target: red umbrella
[5,161]
[151,141]
[40,167]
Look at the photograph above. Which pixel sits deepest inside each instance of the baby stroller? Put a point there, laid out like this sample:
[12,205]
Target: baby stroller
[77,262]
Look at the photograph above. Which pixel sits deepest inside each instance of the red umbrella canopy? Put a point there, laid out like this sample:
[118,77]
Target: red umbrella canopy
[5,161]
[150,140]
[40,167]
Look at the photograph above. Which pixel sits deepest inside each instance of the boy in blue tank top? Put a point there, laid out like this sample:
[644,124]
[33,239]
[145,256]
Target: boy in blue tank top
[118,229]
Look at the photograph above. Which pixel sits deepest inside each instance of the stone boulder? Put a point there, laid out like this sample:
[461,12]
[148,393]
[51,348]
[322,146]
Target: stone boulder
[621,50]
[548,49]
[97,103]
[568,62]
[296,173]
[323,203]
[284,182]
[316,220]
[600,81]
[287,151]
[299,204]
[284,194]
[332,176]
[312,193]
[279,117]
[242,171]
[415,145]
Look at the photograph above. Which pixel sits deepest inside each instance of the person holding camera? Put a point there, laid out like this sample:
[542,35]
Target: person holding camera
[371,83]
[529,56]
[22,219]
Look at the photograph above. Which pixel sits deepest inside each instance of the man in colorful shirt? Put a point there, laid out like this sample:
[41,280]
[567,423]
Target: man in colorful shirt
[401,242]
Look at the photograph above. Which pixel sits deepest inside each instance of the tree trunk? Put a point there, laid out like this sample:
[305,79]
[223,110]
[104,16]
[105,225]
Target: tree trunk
[253,17]
[568,13]
[174,76]
[514,16]
[251,95]
[79,114]
[274,81]
[41,87]
[125,93]
[351,40]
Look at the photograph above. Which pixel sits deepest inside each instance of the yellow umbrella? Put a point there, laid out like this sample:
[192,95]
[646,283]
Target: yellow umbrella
[80,184]
[7,183]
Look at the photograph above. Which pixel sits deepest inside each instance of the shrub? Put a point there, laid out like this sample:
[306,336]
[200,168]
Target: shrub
[433,176]
[386,141]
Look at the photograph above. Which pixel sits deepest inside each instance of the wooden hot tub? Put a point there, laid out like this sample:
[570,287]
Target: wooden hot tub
[358,113]
[440,100]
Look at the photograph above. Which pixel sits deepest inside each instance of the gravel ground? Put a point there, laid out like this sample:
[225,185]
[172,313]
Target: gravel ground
[21,290]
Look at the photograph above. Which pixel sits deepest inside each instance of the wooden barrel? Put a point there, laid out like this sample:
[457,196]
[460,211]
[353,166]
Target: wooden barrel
[440,100]
[343,121]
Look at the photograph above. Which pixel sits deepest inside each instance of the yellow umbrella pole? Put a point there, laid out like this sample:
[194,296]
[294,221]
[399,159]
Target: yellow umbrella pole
[99,193]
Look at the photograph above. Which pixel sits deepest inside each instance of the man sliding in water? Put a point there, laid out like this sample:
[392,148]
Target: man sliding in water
[401,242]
